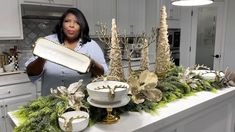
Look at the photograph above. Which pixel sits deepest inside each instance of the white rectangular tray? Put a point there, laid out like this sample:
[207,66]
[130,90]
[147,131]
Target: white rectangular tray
[57,53]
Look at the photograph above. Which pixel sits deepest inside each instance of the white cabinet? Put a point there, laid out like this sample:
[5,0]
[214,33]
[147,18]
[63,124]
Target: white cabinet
[131,16]
[173,14]
[153,8]
[15,90]
[95,11]
[2,117]
[11,22]
[63,3]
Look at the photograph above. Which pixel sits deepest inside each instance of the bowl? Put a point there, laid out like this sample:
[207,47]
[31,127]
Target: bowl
[1,70]
[207,74]
[77,124]
[9,67]
[107,91]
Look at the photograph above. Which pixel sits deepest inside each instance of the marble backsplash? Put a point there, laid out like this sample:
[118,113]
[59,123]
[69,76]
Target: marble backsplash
[35,28]
[32,29]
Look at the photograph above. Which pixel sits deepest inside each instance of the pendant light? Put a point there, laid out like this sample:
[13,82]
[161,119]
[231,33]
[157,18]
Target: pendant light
[191,2]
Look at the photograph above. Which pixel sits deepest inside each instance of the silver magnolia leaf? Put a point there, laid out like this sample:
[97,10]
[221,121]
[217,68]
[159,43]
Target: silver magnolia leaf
[133,84]
[138,99]
[71,100]
[153,94]
[74,87]
[79,96]
[53,91]
[147,77]
[62,90]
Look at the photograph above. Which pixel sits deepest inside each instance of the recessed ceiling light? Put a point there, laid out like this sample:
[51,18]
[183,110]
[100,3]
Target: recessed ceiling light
[191,2]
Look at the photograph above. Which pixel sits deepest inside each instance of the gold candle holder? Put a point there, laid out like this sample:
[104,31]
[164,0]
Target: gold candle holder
[110,118]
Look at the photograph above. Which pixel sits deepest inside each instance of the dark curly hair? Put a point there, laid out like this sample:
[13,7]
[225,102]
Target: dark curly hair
[84,28]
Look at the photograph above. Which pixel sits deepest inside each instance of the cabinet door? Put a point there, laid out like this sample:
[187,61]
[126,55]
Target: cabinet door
[173,14]
[87,7]
[98,11]
[2,117]
[11,22]
[37,1]
[25,88]
[64,3]
[12,104]
[71,3]
[131,16]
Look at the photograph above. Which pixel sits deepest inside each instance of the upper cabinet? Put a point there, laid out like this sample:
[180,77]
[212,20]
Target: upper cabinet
[11,17]
[97,12]
[11,22]
[131,16]
[153,8]
[173,14]
[64,3]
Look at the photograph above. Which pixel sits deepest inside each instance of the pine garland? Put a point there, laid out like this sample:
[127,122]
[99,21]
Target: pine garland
[42,114]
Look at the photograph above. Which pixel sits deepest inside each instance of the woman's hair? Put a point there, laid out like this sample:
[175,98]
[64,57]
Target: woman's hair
[84,28]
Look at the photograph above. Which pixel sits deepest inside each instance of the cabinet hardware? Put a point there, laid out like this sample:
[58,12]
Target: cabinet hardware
[3,117]
[5,105]
[1,106]
[216,56]
[9,92]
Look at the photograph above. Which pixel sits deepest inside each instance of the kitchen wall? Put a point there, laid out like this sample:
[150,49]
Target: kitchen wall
[32,29]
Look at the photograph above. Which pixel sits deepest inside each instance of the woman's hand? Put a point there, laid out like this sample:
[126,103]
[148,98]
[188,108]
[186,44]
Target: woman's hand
[96,69]
[36,67]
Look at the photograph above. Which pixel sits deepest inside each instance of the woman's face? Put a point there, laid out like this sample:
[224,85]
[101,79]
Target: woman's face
[71,27]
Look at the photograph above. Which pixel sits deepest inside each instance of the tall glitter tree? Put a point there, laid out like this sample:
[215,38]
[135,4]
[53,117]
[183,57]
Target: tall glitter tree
[163,55]
[115,64]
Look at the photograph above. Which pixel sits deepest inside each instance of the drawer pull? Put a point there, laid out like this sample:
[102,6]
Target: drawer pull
[1,106]
[3,117]
[5,105]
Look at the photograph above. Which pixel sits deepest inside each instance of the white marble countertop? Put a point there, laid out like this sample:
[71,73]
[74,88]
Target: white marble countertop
[172,112]
[14,72]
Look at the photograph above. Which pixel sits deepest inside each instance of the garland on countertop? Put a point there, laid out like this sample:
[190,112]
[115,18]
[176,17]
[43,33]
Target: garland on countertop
[148,92]
[42,113]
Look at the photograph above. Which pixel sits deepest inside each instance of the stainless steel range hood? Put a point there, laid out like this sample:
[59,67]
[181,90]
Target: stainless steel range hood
[41,12]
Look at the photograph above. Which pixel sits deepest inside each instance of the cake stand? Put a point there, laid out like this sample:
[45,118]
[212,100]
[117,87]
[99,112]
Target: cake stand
[109,119]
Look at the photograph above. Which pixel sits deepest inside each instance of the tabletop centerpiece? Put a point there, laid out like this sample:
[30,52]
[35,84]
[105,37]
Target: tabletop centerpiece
[143,90]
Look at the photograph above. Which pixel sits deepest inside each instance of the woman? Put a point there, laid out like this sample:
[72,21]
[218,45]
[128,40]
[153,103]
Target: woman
[73,32]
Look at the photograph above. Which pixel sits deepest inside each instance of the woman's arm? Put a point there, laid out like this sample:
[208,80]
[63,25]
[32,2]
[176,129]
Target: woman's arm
[36,67]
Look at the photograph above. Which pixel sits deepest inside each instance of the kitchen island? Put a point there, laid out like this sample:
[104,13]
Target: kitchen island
[202,112]
[15,90]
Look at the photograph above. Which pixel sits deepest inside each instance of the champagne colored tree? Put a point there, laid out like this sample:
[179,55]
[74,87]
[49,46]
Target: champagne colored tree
[115,64]
[163,55]
[144,61]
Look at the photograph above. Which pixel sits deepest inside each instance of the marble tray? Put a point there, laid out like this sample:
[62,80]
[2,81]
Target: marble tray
[57,53]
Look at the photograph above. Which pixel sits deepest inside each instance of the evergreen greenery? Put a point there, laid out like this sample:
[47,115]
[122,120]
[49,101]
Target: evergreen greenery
[42,113]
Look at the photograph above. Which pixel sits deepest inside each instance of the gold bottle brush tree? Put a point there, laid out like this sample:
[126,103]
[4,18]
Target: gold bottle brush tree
[115,56]
[163,53]
[144,61]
